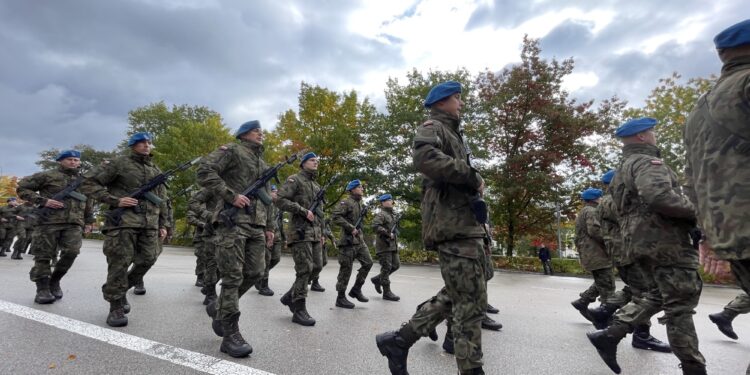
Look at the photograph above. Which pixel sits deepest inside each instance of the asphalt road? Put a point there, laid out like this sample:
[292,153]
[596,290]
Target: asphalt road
[543,334]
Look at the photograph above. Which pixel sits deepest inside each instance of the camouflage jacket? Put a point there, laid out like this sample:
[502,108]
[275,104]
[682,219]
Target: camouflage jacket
[41,186]
[345,215]
[717,143]
[655,218]
[589,242]
[610,229]
[296,196]
[381,225]
[28,212]
[201,206]
[9,214]
[278,219]
[119,178]
[439,154]
[228,171]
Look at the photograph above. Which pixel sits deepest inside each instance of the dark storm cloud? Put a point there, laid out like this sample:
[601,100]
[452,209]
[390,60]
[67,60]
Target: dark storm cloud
[70,71]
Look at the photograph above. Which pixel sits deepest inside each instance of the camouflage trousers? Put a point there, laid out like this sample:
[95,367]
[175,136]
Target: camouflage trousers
[273,257]
[304,265]
[621,297]
[320,259]
[211,271]
[389,263]
[347,255]
[200,260]
[48,240]
[675,290]
[603,286]
[463,299]
[7,239]
[741,271]
[241,260]
[23,240]
[124,248]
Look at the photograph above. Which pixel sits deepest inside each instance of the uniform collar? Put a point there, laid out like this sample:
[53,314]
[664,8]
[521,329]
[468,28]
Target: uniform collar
[69,171]
[143,159]
[309,174]
[446,118]
[735,64]
[255,148]
[640,148]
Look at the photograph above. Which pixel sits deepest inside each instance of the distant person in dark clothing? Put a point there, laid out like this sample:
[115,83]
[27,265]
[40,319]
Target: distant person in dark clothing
[545,258]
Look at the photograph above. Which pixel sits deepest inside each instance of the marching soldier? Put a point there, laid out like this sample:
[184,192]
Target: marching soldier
[386,247]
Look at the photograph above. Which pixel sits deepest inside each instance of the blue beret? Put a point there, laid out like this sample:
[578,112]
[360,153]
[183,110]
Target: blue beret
[352,184]
[12,199]
[307,157]
[274,188]
[590,194]
[68,154]
[138,137]
[441,91]
[607,177]
[385,197]
[635,126]
[246,127]
[733,36]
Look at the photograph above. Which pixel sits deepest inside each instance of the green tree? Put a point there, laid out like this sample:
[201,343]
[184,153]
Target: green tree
[534,137]
[671,102]
[90,157]
[157,118]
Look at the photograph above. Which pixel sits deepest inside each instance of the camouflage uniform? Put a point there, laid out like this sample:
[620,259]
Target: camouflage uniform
[241,249]
[655,221]
[201,206]
[296,196]
[273,253]
[610,231]
[194,216]
[9,227]
[135,241]
[718,154]
[594,255]
[351,247]
[61,229]
[24,229]
[450,228]
[385,247]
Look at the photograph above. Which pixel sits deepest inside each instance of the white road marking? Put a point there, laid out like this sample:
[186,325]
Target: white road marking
[178,356]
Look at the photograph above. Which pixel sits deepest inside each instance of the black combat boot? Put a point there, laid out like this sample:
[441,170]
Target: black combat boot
[199,280]
[210,294]
[474,371]
[301,316]
[448,342]
[642,339]
[125,305]
[16,255]
[341,301]
[116,317]
[583,308]
[286,300]
[395,346]
[216,325]
[491,309]
[491,324]
[723,321]
[264,289]
[600,315]
[139,289]
[43,295]
[54,284]
[234,344]
[356,292]
[376,281]
[692,368]
[433,335]
[606,345]
[2,253]
[388,295]
[316,287]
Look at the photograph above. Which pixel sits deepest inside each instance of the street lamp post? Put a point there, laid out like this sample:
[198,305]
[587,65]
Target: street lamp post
[559,239]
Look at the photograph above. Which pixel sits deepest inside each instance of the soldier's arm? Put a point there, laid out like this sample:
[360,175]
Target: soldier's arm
[165,214]
[95,186]
[430,160]
[594,226]
[338,217]
[28,189]
[285,195]
[209,173]
[689,187]
[194,210]
[88,212]
[654,184]
[378,224]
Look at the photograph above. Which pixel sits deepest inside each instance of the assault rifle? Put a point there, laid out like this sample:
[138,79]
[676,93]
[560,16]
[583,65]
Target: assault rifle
[315,208]
[360,221]
[255,190]
[144,191]
[394,228]
[68,191]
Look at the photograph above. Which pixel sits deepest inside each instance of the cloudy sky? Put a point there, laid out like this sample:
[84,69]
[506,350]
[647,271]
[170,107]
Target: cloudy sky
[71,70]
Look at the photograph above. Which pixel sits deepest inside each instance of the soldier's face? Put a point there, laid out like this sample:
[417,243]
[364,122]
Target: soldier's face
[648,137]
[254,136]
[451,104]
[142,147]
[388,203]
[311,164]
[274,195]
[359,190]
[70,163]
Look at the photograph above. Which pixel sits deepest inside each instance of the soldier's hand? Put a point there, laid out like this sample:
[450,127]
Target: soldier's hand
[481,188]
[269,239]
[3,220]
[51,203]
[20,218]
[128,202]
[711,264]
[88,228]
[162,233]
[322,241]
[355,232]
[241,201]
[310,216]
[392,236]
